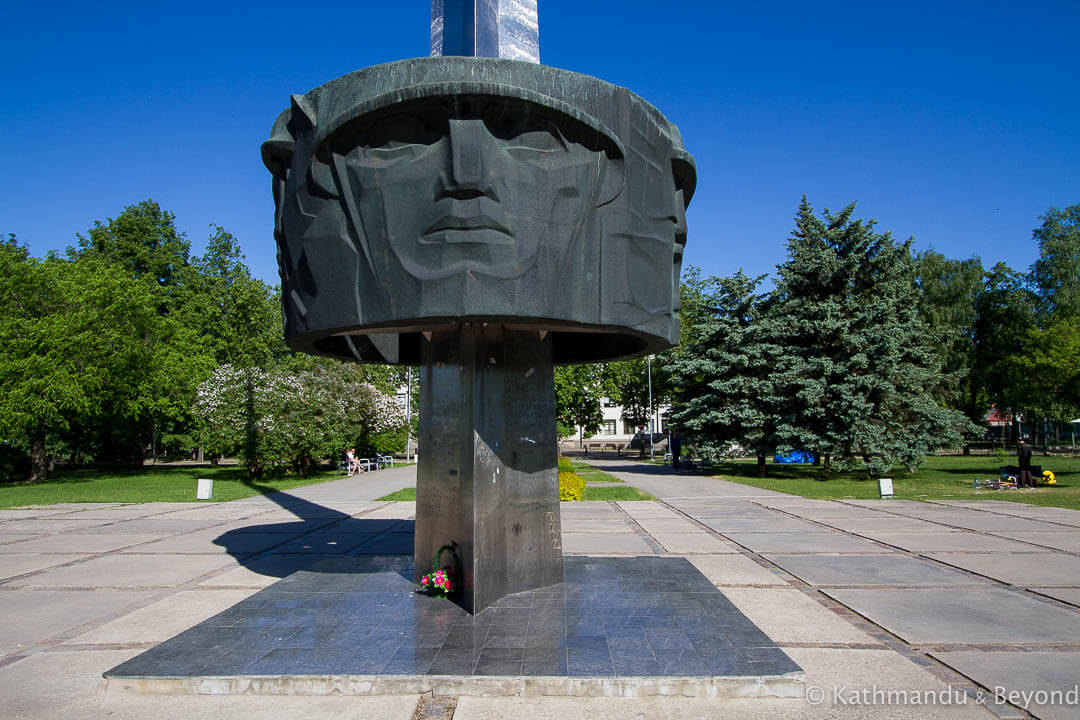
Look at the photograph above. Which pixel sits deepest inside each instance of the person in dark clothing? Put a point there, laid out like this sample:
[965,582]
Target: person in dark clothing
[1023,452]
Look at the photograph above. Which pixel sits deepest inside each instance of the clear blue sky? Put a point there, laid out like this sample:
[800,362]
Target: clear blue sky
[955,122]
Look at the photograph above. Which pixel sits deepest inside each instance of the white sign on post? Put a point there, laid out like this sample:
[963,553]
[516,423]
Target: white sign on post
[205,490]
[885,487]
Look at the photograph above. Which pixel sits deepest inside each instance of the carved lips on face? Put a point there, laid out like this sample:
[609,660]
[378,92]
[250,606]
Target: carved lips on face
[454,188]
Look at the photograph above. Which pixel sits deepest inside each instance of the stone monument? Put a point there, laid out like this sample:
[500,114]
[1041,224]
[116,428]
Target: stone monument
[486,219]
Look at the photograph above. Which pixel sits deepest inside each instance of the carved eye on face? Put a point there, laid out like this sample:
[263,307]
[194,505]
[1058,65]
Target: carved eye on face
[397,137]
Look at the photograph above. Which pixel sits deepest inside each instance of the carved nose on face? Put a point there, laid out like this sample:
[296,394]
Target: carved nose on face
[467,147]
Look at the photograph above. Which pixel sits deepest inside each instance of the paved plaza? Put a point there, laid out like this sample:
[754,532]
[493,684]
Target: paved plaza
[892,608]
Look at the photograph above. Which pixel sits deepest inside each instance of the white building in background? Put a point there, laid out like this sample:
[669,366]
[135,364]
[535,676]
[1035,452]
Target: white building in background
[615,430]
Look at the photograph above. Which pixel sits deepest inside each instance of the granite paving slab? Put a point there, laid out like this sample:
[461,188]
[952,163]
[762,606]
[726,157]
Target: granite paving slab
[963,615]
[118,512]
[667,525]
[595,525]
[49,525]
[735,569]
[804,542]
[122,570]
[12,565]
[163,619]
[612,618]
[604,543]
[29,617]
[790,615]
[778,523]
[949,541]
[646,508]
[1019,568]
[1042,683]
[213,542]
[1069,595]
[884,523]
[1067,541]
[871,570]
[698,542]
[79,543]
[995,523]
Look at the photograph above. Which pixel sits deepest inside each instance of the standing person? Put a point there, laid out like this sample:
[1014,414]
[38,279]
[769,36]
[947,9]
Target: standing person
[676,449]
[1023,452]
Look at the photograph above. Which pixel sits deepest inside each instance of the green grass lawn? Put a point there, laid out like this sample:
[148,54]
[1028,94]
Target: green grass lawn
[940,478]
[148,484]
[591,474]
[612,489]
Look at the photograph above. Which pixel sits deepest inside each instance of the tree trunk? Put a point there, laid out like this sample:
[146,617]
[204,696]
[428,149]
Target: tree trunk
[761,469]
[39,466]
[826,462]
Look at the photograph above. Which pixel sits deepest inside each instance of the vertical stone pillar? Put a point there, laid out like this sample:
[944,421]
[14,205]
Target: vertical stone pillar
[488,476]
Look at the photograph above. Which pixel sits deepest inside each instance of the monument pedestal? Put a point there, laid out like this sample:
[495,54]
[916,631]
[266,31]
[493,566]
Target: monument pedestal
[488,471]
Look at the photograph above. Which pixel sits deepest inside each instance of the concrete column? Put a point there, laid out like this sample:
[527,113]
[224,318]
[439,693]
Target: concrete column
[488,477]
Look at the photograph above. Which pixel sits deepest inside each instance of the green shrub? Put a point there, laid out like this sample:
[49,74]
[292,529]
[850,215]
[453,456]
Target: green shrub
[571,486]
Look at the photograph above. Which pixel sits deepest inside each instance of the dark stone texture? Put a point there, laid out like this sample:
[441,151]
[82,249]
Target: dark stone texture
[434,191]
[597,624]
[487,476]
[489,219]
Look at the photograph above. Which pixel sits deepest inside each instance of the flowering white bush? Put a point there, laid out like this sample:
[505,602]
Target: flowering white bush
[280,420]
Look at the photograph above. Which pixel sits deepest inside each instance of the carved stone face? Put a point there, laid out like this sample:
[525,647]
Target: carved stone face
[476,185]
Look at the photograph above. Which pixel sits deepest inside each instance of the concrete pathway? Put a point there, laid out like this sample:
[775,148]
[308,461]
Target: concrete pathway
[893,608]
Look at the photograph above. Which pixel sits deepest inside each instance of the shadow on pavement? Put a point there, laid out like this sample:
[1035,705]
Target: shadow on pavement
[319,533]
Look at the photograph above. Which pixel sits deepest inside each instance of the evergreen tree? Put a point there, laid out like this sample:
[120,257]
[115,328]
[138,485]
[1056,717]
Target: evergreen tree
[724,379]
[858,363]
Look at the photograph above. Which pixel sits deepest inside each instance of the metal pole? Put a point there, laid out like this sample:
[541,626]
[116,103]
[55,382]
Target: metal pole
[650,409]
[408,414]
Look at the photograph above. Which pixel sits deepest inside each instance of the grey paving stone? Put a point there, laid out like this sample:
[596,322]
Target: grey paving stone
[356,616]
[804,542]
[588,509]
[779,523]
[963,615]
[49,525]
[127,571]
[604,543]
[667,525]
[214,542]
[29,617]
[734,569]
[78,543]
[647,508]
[882,524]
[595,525]
[697,542]
[12,565]
[119,512]
[1067,541]
[995,523]
[948,540]
[1026,679]
[1069,595]
[1020,568]
[871,570]
[790,615]
[151,525]
[161,620]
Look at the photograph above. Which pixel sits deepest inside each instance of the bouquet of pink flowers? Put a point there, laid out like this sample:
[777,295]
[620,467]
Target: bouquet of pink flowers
[440,581]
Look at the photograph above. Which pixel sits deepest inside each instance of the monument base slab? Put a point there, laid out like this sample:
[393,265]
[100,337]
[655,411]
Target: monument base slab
[617,627]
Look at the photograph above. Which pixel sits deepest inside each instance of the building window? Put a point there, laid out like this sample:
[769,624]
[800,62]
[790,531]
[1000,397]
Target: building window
[628,427]
[608,402]
[609,427]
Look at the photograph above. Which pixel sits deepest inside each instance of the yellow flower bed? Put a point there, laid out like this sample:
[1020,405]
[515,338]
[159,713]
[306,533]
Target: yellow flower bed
[571,486]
